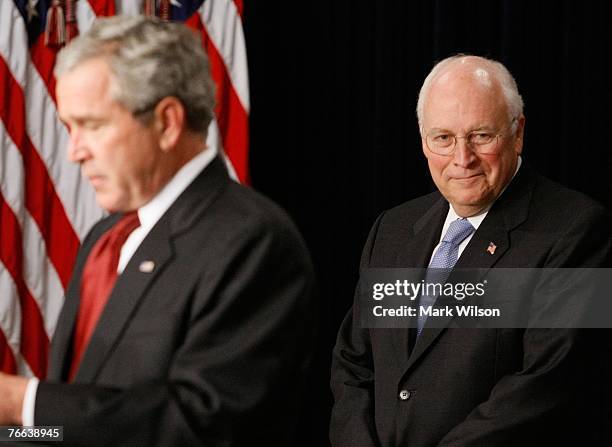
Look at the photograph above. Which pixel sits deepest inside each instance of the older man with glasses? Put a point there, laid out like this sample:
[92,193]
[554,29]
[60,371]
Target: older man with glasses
[428,384]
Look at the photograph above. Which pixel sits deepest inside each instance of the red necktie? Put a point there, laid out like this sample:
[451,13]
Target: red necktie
[97,282]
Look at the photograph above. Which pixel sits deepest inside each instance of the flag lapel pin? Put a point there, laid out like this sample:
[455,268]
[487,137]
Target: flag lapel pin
[146,266]
[491,248]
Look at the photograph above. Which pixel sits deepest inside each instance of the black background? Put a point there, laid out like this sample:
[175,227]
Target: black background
[334,137]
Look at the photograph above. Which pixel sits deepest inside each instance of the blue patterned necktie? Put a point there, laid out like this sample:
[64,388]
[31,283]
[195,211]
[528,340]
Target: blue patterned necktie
[443,260]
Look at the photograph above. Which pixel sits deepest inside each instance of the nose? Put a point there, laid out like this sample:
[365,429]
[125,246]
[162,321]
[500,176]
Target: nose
[464,156]
[77,150]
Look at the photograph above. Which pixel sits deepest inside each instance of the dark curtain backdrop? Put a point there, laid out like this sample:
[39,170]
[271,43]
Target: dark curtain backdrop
[334,136]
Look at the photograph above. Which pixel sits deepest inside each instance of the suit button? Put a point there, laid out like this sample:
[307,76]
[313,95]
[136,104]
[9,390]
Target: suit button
[404,395]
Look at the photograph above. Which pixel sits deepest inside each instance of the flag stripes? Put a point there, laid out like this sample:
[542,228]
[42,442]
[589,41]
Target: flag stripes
[33,340]
[231,113]
[7,361]
[40,198]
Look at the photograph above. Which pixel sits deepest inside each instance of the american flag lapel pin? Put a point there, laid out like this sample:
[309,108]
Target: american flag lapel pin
[491,248]
[146,266]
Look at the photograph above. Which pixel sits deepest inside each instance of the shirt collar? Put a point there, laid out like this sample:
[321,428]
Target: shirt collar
[151,212]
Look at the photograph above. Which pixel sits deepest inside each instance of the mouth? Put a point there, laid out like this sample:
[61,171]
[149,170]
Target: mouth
[467,178]
[95,180]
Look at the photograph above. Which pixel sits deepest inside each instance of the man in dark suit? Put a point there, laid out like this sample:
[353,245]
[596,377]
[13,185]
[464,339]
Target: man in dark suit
[189,318]
[456,386]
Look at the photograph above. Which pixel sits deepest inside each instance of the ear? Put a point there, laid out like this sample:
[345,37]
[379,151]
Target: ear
[170,122]
[518,136]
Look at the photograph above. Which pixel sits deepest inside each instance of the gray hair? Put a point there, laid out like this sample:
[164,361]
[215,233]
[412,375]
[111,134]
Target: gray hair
[150,60]
[514,101]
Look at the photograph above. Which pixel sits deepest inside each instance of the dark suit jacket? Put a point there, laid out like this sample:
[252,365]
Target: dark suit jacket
[474,387]
[210,348]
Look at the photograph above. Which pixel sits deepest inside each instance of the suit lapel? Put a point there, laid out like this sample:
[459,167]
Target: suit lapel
[417,246]
[157,251]
[508,212]
[129,289]
[475,255]
[59,355]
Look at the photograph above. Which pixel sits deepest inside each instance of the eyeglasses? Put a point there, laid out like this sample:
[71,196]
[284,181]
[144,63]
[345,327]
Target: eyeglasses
[481,141]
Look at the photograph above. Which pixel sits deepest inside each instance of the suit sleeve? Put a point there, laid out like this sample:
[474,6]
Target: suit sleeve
[552,400]
[236,377]
[352,377]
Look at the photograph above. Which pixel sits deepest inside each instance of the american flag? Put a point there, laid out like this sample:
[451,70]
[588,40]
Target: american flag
[491,248]
[46,208]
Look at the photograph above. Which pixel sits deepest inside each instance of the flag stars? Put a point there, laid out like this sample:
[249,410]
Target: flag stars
[31,9]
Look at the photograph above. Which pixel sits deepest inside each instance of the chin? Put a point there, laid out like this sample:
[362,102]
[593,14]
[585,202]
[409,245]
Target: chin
[108,205]
[469,199]
[470,202]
